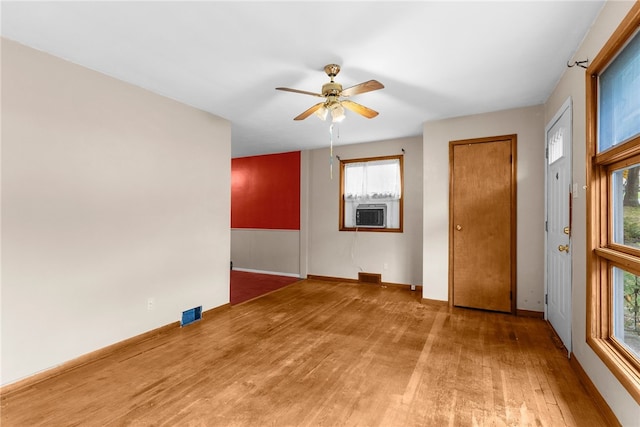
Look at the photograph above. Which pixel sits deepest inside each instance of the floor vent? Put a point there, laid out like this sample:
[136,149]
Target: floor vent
[191,316]
[376,279]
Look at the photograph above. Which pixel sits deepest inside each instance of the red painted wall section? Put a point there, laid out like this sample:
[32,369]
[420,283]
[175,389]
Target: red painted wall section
[265,191]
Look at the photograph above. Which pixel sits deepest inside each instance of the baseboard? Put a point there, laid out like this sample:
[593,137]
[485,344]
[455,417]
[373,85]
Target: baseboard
[273,273]
[403,285]
[605,410]
[216,309]
[530,313]
[343,280]
[435,302]
[95,355]
[330,279]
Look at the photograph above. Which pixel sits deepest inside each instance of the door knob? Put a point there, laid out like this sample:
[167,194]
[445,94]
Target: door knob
[564,248]
[458,227]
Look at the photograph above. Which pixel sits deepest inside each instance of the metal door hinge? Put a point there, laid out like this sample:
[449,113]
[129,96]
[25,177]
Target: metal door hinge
[546,298]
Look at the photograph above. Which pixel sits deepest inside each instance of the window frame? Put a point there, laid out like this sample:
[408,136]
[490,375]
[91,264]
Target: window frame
[602,253]
[341,219]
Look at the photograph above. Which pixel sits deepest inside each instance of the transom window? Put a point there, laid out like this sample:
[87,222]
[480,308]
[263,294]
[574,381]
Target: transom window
[613,205]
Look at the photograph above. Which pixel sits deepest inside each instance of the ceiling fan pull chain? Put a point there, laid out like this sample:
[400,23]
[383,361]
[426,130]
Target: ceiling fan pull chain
[331,151]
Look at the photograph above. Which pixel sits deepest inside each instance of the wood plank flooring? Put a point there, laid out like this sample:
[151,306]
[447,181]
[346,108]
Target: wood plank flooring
[323,354]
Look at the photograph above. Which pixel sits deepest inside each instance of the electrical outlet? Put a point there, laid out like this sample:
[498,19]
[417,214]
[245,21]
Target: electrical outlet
[385,266]
[150,303]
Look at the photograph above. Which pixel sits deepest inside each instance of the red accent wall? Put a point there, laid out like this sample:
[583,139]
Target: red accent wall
[265,191]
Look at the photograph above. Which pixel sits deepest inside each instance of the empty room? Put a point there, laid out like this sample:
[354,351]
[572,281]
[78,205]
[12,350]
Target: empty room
[259,213]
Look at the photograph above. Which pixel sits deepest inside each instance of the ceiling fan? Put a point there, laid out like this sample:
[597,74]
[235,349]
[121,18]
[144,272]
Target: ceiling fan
[333,91]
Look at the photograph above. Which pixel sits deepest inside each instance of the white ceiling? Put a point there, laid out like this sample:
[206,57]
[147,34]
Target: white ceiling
[436,59]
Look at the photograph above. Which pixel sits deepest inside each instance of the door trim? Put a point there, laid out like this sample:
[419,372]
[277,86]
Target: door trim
[513,138]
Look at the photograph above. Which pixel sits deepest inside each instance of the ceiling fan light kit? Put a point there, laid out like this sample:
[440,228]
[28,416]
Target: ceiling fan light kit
[332,92]
[337,113]
[333,106]
[322,112]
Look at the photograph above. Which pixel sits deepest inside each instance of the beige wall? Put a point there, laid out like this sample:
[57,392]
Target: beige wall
[110,195]
[528,124]
[573,85]
[268,251]
[343,254]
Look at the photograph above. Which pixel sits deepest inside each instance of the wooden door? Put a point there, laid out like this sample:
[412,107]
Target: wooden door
[483,223]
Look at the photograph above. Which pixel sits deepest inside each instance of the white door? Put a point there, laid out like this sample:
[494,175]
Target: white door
[559,252]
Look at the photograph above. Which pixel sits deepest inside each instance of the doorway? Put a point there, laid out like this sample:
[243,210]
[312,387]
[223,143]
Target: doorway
[482,220]
[559,198]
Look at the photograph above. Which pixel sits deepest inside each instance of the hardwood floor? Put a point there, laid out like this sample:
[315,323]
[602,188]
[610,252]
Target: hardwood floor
[323,354]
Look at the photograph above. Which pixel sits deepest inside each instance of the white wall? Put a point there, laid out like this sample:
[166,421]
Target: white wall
[573,85]
[110,195]
[528,124]
[343,254]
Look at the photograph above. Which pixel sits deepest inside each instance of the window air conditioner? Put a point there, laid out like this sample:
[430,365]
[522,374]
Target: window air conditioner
[371,215]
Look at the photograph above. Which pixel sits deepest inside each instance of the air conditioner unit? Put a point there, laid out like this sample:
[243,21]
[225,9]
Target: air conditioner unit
[371,216]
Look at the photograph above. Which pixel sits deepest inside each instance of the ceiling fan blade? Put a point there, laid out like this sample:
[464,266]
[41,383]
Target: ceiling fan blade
[360,109]
[286,89]
[309,112]
[362,88]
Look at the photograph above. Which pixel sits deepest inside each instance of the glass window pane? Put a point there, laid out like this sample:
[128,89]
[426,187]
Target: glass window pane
[619,110]
[625,213]
[556,146]
[626,309]
[375,179]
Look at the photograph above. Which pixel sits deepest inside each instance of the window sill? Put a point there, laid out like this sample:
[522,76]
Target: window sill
[371,229]
[617,362]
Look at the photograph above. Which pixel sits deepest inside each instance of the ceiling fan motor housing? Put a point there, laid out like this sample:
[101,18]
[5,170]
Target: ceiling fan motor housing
[331,88]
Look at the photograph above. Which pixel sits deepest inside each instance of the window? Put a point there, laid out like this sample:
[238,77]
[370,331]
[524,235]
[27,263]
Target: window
[613,206]
[555,146]
[371,194]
